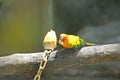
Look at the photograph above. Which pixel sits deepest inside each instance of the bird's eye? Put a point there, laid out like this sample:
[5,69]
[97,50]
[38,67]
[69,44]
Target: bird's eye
[62,40]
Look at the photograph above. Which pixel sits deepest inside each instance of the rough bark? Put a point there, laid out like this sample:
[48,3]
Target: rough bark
[25,62]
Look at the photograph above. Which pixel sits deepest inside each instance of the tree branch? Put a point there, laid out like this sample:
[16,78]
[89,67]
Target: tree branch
[25,62]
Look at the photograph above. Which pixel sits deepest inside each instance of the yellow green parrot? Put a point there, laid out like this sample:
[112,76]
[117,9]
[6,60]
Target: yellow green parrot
[72,41]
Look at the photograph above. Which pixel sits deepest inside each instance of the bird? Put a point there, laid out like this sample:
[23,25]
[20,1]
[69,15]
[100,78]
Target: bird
[72,41]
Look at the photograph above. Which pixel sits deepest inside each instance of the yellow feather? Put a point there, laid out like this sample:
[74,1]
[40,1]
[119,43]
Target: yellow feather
[70,41]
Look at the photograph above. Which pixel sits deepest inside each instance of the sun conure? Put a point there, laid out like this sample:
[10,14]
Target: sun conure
[72,41]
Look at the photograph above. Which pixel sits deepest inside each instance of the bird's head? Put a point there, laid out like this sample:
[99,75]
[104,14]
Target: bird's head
[63,40]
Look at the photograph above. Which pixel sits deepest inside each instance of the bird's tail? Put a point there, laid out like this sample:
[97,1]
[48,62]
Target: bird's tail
[89,44]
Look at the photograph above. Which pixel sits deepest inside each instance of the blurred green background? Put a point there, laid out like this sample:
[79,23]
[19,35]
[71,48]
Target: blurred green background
[24,23]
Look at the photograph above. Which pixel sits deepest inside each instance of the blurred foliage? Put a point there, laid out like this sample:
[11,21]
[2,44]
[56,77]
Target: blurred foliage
[23,25]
